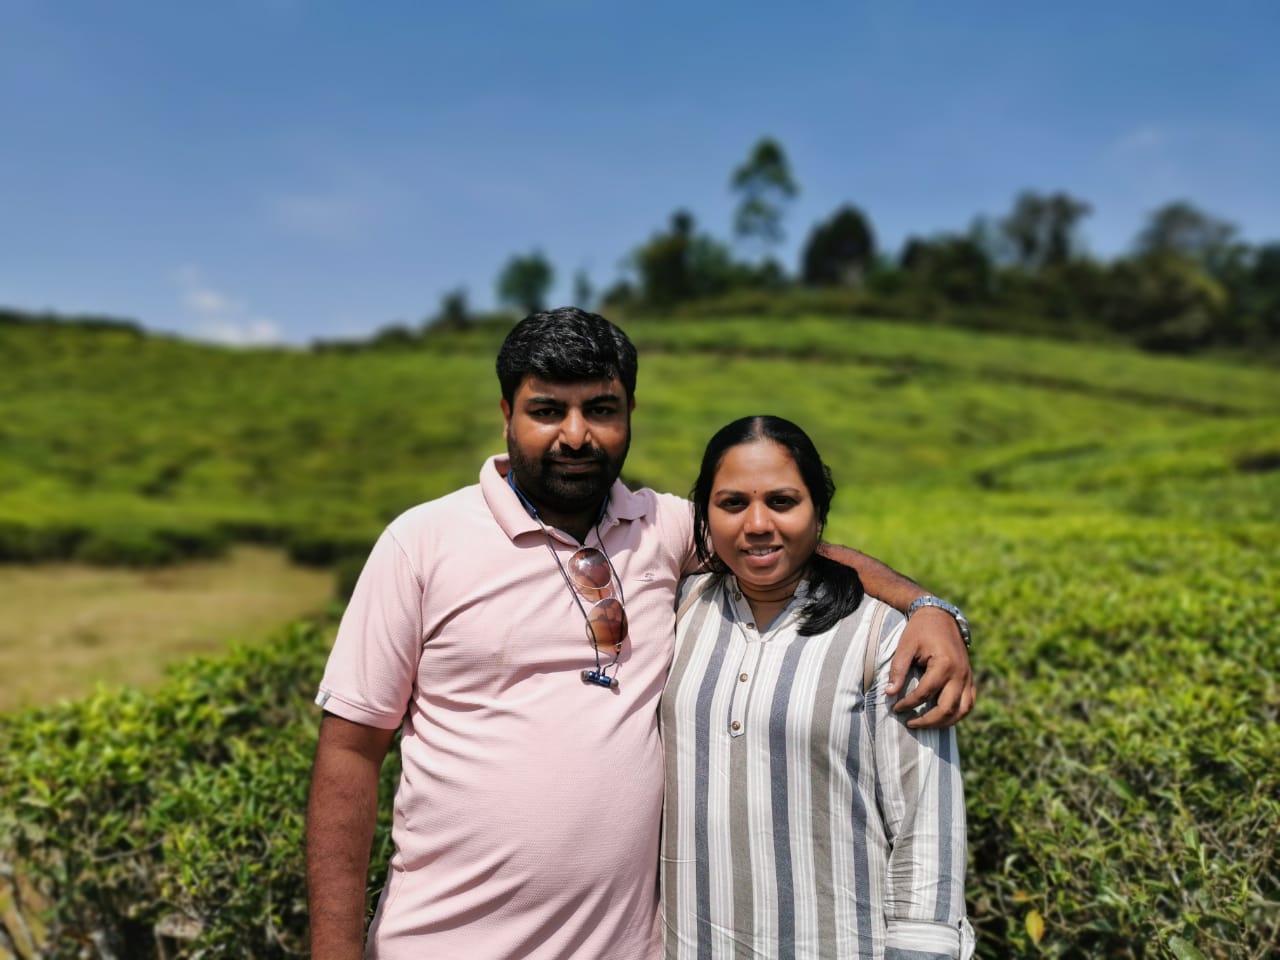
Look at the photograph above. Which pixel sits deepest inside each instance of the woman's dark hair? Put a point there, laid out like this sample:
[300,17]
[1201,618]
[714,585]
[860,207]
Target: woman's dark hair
[565,345]
[834,589]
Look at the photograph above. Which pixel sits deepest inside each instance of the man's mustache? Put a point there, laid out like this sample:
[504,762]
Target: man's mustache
[580,454]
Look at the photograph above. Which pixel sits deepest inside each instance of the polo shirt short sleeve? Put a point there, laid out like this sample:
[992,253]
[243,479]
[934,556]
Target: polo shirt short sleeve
[526,819]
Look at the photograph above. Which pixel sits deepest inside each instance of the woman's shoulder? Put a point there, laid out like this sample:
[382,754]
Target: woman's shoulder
[890,618]
[875,614]
[695,585]
[879,622]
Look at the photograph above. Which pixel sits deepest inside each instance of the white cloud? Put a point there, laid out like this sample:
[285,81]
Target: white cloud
[1143,139]
[1144,167]
[208,302]
[220,318]
[327,217]
[252,333]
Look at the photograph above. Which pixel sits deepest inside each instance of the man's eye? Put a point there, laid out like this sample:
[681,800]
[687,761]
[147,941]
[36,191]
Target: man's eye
[603,411]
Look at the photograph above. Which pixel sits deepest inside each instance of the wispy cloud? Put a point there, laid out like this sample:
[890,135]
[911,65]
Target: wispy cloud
[219,317]
[1148,164]
[1147,138]
[322,216]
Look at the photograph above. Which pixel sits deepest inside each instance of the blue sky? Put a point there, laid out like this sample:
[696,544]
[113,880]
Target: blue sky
[288,170]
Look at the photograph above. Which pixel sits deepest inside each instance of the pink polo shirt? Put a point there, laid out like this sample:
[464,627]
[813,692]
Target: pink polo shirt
[526,820]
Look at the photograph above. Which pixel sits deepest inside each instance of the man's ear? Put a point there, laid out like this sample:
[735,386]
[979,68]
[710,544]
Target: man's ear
[506,418]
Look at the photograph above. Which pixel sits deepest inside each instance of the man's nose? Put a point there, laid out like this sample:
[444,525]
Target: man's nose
[574,430]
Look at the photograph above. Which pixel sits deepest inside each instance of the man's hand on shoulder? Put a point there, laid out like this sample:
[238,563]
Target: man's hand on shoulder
[932,639]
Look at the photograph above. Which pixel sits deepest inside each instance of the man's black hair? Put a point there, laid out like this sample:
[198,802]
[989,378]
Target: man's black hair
[834,589]
[565,345]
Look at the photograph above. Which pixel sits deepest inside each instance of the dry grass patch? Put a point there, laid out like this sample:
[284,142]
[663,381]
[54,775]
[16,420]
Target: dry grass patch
[67,628]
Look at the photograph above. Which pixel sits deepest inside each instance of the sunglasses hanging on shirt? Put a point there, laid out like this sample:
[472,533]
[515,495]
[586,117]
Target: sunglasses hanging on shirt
[591,577]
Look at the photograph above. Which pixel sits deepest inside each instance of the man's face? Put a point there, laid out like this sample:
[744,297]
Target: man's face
[567,441]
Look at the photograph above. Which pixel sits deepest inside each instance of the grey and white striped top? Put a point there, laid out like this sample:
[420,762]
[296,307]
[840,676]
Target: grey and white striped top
[803,818]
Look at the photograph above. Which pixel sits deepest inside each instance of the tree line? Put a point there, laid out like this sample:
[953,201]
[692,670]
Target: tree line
[1187,282]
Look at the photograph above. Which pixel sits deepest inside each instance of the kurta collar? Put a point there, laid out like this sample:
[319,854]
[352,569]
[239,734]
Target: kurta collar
[787,616]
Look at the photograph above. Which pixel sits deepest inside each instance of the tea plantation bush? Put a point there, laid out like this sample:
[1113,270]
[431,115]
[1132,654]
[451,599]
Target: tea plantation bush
[1123,790]
[1122,785]
[181,809]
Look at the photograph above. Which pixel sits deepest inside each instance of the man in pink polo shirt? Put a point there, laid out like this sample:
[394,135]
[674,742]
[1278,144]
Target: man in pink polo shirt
[518,633]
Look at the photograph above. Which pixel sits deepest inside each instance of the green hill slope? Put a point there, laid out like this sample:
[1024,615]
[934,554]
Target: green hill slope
[1107,519]
[128,448]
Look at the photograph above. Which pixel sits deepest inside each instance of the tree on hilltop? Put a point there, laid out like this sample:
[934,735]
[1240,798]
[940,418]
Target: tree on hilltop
[525,281]
[1166,301]
[584,294]
[839,251]
[1181,228]
[680,264]
[954,266]
[765,186]
[454,313]
[1043,229]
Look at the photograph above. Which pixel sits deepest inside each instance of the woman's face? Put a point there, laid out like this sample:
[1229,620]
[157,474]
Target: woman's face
[762,521]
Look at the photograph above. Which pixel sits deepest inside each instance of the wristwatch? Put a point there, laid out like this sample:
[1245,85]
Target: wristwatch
[929,600]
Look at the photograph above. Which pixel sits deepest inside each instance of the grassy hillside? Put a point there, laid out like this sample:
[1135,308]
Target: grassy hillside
[1107,519]
[125,448]
[69,629]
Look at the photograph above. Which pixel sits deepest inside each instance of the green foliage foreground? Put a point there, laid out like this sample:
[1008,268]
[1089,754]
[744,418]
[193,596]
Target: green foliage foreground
[1108,521]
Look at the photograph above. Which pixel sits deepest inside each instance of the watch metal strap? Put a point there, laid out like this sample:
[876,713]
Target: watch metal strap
[929,600]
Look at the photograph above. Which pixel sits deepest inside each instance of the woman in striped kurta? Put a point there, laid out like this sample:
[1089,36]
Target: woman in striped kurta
[803,818]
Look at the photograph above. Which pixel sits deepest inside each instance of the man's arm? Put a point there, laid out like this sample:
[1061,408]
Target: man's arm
[931,639]
[341,812]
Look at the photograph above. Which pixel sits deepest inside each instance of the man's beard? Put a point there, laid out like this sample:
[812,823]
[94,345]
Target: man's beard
[549,488]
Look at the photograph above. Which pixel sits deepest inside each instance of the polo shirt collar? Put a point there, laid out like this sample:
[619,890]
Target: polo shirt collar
[515,520]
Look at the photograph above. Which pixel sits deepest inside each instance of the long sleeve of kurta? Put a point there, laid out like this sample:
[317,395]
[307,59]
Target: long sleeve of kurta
[921,799]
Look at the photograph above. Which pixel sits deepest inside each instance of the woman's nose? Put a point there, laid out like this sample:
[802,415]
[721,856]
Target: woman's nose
[758,519]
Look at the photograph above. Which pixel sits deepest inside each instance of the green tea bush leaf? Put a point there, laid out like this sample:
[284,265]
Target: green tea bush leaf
[124,811]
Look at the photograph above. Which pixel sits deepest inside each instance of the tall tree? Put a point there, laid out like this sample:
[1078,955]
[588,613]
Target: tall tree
[663,263]
[584,293]
[454,314]
[1042,229]
[839,251]
[1166,301]
[1023,226]
[525,281]
[679,264]
[1062,235]
[1264,293]
[765,186]
[954,266]
[1179,227]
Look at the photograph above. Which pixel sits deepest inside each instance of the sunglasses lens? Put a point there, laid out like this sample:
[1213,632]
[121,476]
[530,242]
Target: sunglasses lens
[607,625]
[590,572]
